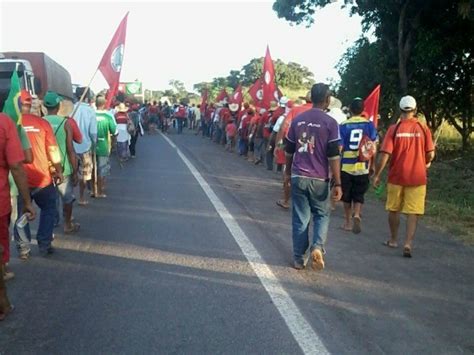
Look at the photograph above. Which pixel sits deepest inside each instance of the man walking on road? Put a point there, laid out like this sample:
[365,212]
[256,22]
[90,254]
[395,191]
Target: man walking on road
[355,173]
[409,146]
[45,155]
[11,158]
[85,119]
[312,147]
[63,133]
[106,127]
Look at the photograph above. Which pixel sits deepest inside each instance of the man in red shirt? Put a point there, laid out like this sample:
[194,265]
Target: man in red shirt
[409,146]
[11,158]
[40,183]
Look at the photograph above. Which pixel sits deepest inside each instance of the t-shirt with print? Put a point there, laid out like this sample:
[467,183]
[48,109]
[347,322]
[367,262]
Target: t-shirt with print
[44,149]
[105,127]
[311,132]
[10,153]
[408,142]
[352,131]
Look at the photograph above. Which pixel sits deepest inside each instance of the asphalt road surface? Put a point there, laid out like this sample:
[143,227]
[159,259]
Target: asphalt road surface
[190,255]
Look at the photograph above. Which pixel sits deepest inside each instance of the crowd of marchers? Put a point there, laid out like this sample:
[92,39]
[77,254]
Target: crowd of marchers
[58,148]
[326,153]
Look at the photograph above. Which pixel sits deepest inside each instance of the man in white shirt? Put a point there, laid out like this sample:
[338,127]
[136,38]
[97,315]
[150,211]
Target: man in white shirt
[87,123]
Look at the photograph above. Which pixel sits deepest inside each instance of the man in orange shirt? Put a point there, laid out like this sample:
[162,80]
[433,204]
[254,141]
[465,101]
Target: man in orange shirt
[409,146]
[43,192]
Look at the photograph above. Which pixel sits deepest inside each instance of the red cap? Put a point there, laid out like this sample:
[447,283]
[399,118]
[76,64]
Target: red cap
[25,97]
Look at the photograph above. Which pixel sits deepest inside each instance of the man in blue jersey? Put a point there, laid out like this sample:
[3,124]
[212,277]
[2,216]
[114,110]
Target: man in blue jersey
[355,173]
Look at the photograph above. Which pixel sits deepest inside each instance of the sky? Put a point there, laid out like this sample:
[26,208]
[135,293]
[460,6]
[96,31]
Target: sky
[191,41]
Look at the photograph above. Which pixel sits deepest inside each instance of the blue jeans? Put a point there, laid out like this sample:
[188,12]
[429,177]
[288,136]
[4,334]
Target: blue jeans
[259,149]
[309,196]
[45,198]
[180,125]
[243,146]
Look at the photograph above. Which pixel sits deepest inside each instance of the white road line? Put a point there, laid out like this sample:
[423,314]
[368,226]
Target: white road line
[305,336]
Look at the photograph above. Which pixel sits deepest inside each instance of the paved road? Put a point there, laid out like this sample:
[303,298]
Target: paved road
[155,269]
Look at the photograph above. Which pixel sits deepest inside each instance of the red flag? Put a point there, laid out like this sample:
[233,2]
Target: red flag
[371,104]
[256,92]
[111,64]
[270,90]
[237,97]
[222,96]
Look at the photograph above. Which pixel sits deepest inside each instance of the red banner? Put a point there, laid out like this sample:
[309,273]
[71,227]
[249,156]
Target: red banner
[222,96]
[111,64]
[256,92]
[270,90]
[371,105]
[237,97]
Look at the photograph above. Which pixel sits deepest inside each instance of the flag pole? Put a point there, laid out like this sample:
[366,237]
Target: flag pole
[85,92]
[94,156]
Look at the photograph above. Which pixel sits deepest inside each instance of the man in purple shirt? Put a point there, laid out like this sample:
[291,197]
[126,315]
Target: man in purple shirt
[312,148]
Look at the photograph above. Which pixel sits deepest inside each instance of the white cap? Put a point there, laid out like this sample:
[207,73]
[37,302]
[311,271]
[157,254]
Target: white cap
[407,103]
[283,101]
[262,111]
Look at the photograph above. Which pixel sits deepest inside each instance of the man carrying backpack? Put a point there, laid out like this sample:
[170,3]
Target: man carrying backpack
[180,115]
[355,170]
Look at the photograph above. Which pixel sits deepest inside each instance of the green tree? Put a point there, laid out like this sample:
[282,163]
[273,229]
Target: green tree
[427,45]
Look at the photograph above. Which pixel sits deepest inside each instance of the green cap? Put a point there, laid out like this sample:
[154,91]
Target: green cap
[52,99]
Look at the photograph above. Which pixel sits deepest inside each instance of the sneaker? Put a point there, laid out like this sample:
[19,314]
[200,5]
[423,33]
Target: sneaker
[25,255]
[317,259]
[8,275]
[47,252]
[298,266]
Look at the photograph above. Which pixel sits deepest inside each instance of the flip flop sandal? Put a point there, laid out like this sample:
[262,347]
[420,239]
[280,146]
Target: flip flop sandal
[282,205]
[345,229]
[75,228]
[356,225]
[388,244]
[407,252]
[83,203]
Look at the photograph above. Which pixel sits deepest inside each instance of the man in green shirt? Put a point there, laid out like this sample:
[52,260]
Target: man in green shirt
[63,132]
[106,127]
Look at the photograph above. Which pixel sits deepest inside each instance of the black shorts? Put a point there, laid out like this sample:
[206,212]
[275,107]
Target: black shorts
[354,187]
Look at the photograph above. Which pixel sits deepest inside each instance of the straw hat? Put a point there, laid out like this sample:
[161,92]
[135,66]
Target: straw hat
[65,108]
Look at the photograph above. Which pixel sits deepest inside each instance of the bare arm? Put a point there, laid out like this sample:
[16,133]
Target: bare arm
[28,156]
[380,166]
[71,154]
[21,182]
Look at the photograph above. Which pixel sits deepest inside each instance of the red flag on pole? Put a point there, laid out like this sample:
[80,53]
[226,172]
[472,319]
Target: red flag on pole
[111,64]
[237,97]
[270,91]
[371,105]
[222,95]
[256,92]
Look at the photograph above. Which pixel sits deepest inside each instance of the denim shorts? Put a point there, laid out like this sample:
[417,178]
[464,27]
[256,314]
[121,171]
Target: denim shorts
[66,190]
[103,166]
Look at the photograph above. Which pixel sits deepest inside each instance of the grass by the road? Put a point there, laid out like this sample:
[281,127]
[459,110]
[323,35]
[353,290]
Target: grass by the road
[450,200]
